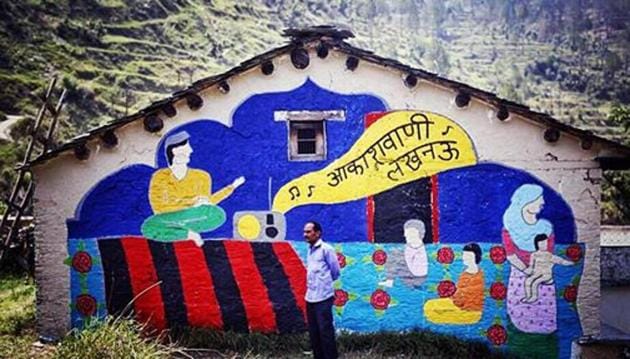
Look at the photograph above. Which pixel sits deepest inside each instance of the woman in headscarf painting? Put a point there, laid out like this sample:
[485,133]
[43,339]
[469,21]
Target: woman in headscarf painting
[521,225]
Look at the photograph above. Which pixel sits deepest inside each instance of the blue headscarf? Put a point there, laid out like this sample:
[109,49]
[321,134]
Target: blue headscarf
[522,233]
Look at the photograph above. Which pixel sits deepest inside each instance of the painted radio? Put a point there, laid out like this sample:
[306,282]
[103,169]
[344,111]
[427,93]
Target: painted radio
[259,225]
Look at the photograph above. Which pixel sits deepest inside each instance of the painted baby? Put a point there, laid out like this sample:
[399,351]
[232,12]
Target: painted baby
[541,269]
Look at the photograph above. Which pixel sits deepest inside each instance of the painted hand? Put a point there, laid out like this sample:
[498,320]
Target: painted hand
[237,182]
[387,283]
[201,200]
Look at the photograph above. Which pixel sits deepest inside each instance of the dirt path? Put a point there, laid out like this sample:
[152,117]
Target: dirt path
[5,127]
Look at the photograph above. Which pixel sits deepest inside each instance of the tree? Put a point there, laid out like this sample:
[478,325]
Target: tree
[616,186]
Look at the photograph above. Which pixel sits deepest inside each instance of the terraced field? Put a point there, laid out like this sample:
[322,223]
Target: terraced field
[117,56]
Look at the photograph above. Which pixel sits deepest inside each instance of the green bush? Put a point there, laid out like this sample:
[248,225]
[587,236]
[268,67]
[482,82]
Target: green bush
[112,338]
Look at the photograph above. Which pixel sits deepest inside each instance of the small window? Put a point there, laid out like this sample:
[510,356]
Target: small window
[307,141]
[307,132]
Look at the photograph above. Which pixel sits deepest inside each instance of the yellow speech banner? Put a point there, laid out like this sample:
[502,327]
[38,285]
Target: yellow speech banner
[400,147]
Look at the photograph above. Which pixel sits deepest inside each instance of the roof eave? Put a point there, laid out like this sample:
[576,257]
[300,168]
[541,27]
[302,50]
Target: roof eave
[334,40]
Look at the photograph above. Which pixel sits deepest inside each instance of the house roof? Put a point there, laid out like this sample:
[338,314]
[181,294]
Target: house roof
[326,38]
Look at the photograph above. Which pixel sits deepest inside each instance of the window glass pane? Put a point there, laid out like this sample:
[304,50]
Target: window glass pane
[306,147]
[305,133]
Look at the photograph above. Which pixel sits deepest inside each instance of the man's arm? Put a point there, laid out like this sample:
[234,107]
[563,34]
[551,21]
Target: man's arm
[226,191]
[333,263]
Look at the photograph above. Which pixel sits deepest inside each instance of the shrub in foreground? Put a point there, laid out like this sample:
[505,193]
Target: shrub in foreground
[112,338]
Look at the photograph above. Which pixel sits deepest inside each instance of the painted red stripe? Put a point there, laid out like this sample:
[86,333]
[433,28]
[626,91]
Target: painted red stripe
[435,209]
[372,117]
[149,306]
[201,302]
[258,307]
[370,218]
[369,119]
[294,270]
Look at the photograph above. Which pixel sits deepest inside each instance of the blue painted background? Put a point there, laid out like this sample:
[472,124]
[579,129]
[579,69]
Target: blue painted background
[91,281]
[256,147]
[361,278]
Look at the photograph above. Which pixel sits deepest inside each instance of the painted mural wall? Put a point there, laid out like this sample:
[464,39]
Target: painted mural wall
[427,235]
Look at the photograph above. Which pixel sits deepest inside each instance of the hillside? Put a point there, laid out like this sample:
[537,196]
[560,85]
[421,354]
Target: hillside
[569,58]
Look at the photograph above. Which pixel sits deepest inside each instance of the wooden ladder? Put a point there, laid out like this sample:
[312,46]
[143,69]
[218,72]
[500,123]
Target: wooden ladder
[22,191]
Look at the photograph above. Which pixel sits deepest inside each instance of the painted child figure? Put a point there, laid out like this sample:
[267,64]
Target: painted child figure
[541,269]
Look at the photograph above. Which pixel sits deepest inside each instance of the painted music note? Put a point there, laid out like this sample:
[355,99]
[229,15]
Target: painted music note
[448,128]
[294,192]
[310,190]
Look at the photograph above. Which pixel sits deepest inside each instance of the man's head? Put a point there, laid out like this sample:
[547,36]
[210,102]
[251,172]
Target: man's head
[414,232]
[178,149]
[312,232]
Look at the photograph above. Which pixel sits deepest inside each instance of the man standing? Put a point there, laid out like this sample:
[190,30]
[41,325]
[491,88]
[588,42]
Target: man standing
[322,270]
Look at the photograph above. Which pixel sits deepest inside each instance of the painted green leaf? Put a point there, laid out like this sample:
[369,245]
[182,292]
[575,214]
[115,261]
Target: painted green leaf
[576,280]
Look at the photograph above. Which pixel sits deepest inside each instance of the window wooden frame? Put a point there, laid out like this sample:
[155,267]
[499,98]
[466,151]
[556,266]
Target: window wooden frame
[304,119]
[319,127]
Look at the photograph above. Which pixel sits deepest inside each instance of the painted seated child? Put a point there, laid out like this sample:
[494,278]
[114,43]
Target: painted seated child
[540,270]
[466,305]
[410,265]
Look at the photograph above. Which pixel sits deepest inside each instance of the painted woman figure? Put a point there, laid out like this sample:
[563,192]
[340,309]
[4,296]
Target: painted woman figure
[521,225]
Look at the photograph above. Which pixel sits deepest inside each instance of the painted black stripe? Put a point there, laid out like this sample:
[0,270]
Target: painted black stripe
[118,292]
[289,317]
[167,270]
[225,287]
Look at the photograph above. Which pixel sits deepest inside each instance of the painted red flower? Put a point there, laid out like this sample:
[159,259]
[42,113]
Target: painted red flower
[570,293]
[446,288]
[86,305]
[380,299]
[82,262]
[574,252]
[341,297]
[379,257]
[341,259]
[445,255]
[498,291]
[497,254]
[497,334]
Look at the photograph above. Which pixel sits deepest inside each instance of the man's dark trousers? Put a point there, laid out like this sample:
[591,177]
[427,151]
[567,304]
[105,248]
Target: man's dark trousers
[321,329]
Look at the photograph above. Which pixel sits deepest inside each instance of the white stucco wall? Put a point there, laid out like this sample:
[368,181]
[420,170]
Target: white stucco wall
[62,182]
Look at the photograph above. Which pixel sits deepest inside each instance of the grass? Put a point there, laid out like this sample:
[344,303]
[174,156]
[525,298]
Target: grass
[417,344]
[124,338]
[17,316]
